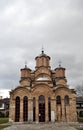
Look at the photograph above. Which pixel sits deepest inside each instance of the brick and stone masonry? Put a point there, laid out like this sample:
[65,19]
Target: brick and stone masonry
[43,95]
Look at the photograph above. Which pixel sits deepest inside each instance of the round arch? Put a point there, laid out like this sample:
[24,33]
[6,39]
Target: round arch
[20,91]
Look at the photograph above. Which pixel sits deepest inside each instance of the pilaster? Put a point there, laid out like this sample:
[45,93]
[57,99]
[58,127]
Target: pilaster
[53,109]
[30,110]
[37,110]
[46,110]
[21,110]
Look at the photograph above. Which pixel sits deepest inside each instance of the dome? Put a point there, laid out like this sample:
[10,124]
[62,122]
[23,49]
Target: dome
[42,55]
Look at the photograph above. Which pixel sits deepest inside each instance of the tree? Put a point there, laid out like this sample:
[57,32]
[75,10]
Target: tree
[79,90]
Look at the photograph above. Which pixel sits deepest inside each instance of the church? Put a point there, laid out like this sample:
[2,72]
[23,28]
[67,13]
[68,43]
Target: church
[43,95]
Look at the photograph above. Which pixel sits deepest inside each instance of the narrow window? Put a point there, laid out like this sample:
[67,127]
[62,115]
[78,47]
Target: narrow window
[41,108]
[25,108]
[17,109]
[49,109]
[66,99]
[58,100]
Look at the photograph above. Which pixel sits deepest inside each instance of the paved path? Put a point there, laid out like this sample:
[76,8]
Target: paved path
[50,126]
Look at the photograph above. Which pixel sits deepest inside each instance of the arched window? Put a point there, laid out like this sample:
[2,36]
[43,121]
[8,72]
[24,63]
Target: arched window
[58,100]
[66,99]
[25,108]
[17,109]
[41,99]
[34,109]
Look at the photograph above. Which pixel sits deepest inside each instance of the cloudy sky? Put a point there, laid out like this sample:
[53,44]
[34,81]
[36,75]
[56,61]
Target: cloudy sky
[26,25]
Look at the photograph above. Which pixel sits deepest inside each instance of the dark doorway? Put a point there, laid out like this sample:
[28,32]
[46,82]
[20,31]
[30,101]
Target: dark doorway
[41,108]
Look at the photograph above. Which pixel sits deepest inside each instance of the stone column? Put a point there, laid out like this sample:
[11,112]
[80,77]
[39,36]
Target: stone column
[63,118]
[12,111]
[21,110]
[30,110]
[52,110]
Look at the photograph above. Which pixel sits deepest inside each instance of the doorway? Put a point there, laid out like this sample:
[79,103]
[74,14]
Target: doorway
[41,108]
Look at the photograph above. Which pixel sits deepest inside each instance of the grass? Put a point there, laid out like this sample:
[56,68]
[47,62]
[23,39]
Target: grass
[2,121]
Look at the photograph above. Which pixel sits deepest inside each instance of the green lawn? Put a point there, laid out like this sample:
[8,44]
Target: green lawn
[3,120]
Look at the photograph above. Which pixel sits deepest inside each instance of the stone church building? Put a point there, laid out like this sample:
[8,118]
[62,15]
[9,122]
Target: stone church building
[43,95]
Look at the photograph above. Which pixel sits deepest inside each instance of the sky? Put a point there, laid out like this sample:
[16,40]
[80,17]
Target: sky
[27,25]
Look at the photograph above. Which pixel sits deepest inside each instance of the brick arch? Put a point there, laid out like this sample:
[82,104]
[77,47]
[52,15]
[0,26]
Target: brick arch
[42,89]
[21,92]
[63,91]
[42,70]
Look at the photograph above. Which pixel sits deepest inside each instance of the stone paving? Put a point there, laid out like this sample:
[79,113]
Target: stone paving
[41,126]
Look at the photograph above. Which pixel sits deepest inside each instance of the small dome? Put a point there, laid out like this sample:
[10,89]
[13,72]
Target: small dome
[42,55]
[26,68]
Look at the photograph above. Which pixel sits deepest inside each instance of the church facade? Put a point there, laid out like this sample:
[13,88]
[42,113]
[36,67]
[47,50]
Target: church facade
[43,95]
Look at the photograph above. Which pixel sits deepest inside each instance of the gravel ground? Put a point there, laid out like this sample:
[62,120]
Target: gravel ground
[42,126]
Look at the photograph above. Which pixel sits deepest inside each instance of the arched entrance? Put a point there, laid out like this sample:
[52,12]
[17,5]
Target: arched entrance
[41,108]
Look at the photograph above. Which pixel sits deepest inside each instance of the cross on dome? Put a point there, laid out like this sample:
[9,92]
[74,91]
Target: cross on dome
[60,64]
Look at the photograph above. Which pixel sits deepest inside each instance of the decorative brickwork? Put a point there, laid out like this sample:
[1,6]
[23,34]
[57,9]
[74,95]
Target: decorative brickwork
[46,95]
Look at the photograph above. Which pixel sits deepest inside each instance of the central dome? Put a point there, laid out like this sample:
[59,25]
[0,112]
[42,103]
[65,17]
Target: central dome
[42,55]
[42,60]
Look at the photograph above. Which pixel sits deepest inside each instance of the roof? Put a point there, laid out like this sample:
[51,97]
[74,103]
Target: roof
[42,55]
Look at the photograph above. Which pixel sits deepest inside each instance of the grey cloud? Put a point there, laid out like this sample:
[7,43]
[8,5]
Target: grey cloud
[26,25]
